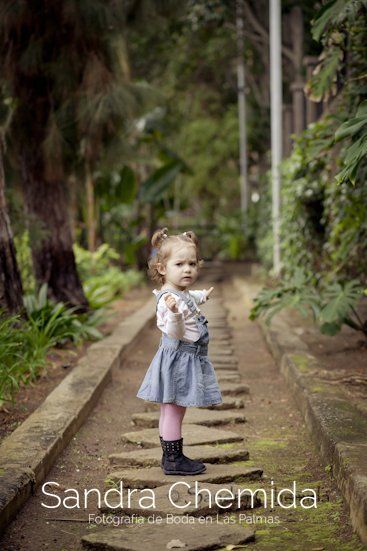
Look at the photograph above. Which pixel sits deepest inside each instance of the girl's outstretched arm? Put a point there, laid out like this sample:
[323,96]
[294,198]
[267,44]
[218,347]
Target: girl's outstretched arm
[201,296]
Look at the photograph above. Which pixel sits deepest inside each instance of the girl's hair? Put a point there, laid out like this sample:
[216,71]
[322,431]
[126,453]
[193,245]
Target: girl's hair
[163,245]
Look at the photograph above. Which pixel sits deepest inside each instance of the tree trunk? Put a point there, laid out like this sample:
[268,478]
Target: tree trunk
[11,291]
[91,218]
[72,184]
[53,256]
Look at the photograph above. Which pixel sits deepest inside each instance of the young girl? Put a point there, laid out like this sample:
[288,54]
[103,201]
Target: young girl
[180,374]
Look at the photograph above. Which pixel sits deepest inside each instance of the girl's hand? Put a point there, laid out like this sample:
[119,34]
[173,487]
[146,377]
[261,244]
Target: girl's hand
[171,303]
[208,292]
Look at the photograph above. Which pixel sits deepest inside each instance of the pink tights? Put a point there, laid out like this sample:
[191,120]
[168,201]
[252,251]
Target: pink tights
[170,421]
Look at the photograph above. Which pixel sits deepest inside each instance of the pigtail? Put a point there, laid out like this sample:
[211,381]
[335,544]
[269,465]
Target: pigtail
[191,235]
[158,237]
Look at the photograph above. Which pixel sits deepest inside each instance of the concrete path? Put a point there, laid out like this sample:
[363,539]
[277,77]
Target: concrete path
[255,447]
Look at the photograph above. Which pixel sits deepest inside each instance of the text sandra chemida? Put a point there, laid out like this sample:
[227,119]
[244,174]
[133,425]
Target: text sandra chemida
[181,495]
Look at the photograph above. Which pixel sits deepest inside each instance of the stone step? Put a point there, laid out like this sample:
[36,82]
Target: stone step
[222,360]
[229,402]
[154,476]
[233,389]
[228,372]
[227,367]
[192,415]
[183,499]
[228,377]
[192,435]
[151,457]
[196,536]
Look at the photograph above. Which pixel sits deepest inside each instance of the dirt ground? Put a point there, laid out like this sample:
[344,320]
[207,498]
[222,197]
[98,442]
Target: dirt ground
[274,433]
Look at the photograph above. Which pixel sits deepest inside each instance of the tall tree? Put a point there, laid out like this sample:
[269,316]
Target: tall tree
[64,65]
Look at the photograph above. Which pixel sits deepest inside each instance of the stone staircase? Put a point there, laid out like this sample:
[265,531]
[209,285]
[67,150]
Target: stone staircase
[186,515]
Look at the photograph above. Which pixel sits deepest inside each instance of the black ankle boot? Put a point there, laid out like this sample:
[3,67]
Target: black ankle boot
[161,439]
[175,462]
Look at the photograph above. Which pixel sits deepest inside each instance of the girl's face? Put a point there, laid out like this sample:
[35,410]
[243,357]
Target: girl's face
[181,269]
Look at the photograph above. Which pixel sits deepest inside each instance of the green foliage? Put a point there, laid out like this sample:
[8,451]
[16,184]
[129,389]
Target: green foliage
[55,324]
[153,189]
[115,186]
[24,343]
[305,175]
[341,28]
[102,280]
[327,15]
[232,241]
[297,292]
[355,155]
[324,222]
[331,305]
[21,357]
[211,146]
[200,87]
[94,263]
[263,232]
[102,289]
[339,303]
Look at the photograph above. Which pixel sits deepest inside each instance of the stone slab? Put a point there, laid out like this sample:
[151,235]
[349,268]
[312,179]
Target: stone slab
[154,476]
[228,372]
[233,389]
[155,537]
[223,360]
[192,415]
[151,457]
[229,402]
[229,378]
[192,435]
[195,498]
[226,366]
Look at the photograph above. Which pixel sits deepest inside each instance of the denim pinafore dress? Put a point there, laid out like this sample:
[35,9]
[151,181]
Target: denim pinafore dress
[181,372]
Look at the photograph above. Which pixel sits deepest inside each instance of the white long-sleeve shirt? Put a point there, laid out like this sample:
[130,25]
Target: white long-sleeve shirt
[180,325]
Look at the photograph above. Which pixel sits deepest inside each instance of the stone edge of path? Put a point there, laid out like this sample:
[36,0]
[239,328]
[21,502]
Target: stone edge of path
[27,454]
[338,428]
